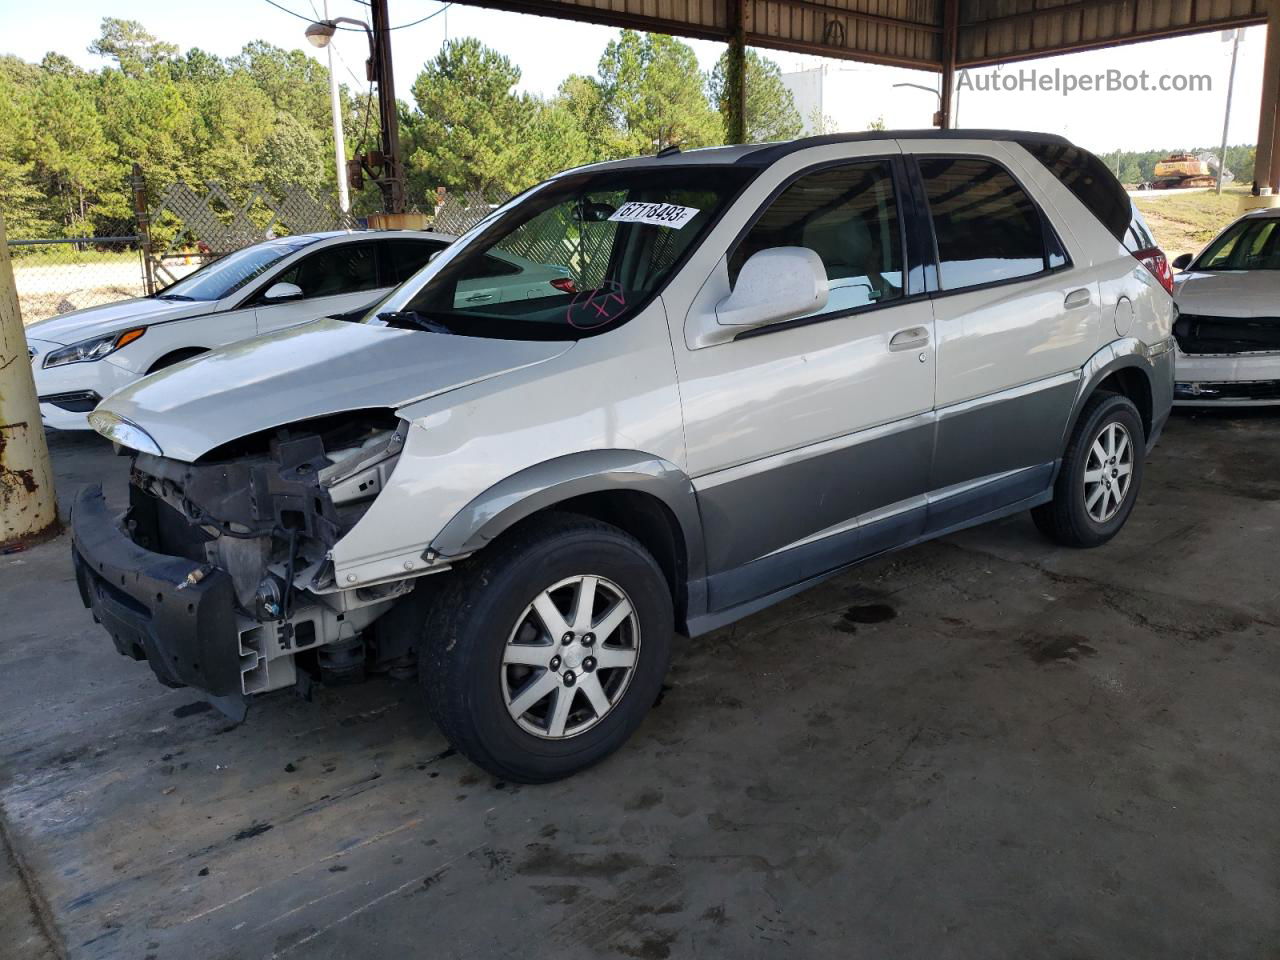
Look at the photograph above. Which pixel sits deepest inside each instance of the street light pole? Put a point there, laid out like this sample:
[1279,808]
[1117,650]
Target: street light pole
[339,142]
[1226,120]
[937,117]
[384,164]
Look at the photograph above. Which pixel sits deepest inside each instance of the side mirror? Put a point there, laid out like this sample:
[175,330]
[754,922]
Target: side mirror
[780,283]
[1182,261]
[283,291]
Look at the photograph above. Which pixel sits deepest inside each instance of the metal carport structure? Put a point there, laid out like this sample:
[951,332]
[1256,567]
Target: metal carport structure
[938,35]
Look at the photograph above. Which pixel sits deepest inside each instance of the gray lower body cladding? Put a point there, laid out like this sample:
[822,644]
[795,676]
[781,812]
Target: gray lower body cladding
[800,517]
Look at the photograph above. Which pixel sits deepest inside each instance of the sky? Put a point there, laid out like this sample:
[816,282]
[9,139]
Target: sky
[855,94]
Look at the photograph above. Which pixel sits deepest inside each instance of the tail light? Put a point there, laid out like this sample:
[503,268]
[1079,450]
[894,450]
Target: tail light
[566,284]
[1153,259]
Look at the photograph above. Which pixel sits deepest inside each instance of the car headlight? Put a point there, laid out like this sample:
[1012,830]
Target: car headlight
[124,432]
[93,349]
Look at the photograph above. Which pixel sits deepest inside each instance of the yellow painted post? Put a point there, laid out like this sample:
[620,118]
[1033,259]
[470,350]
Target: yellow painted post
[28,508]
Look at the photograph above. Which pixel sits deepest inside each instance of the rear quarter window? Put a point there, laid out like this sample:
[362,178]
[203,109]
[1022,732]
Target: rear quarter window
[1090,181]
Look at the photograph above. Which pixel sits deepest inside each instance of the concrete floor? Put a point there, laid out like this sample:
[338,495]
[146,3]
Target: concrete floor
[983,747]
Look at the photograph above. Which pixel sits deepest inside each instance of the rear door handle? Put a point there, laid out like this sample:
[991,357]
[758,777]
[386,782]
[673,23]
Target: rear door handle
[1077,298]
[911,338]
[479,297]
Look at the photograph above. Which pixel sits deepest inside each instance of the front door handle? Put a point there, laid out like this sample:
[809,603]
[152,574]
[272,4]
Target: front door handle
[911,338]
[1077,298]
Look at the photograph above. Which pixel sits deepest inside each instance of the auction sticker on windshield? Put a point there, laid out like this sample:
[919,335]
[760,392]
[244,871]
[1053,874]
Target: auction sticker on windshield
[655,214]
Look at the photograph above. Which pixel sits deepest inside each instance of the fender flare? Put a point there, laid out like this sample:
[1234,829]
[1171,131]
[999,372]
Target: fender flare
[1128,352]
[553,481]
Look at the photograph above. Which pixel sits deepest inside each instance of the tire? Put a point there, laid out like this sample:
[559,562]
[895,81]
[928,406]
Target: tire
[486,645]
[169,359]
[1084,512]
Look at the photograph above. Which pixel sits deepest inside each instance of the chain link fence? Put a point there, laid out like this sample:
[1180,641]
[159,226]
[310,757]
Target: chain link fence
[180,226]
[58,275]
[457,213]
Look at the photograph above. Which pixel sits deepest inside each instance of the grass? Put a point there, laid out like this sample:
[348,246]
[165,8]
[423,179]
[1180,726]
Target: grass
[66,254]
[1183,223]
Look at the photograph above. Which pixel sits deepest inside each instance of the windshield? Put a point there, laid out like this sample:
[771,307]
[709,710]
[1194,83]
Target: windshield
[579,256]
[1252,244]
[228,274]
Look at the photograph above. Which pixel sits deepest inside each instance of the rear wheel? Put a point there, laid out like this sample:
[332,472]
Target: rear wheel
[1101,474]
[543,656]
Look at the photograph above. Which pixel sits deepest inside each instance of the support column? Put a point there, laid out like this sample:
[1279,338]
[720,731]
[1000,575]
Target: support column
[736,73]
[950,38]
[1264,169]
[142,223]
[28,508]
[392,179]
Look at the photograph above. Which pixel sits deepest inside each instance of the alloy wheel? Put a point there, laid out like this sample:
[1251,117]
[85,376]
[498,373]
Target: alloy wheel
[570,657]
[1108,472]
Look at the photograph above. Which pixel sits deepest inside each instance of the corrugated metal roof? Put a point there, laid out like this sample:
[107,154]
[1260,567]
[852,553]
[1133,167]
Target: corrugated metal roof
[998,31]
[910,32]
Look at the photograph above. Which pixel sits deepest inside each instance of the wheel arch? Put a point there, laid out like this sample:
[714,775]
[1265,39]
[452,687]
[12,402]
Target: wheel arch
[175,356]
[1120,367]
[650,498]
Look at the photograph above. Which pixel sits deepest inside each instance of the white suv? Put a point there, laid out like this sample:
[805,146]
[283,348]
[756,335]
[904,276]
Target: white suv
[760,365]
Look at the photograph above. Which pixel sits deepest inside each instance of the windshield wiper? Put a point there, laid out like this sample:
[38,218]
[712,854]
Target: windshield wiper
[173,296]
[412,318]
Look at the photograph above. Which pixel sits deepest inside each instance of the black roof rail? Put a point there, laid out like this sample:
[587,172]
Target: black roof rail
[769,153]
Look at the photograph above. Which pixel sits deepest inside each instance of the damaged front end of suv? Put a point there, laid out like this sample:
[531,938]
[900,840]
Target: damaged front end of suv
[223,578]
[251,557]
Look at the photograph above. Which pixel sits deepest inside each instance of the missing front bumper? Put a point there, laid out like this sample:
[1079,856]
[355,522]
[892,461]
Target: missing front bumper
[177,615]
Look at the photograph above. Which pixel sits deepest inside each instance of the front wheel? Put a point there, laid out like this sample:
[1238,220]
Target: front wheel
[543,656]
[1100,476]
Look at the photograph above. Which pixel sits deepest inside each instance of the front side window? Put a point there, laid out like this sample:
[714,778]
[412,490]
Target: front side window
[987,229]
[577,256]
[225,276]
[1252,244]
[848,215]
[348,268]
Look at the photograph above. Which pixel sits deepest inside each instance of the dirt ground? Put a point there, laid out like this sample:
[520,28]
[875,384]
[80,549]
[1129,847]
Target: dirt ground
[982,747]
[1185,222]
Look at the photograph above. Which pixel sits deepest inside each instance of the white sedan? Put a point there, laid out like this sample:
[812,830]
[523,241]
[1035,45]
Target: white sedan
[1228,326]
[81,357]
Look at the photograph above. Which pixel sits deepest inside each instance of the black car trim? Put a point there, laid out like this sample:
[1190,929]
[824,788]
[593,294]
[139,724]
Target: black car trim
[771,153]
[176,614]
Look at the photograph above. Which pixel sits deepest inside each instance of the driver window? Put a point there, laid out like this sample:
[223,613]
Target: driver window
[849,217]
[348,268]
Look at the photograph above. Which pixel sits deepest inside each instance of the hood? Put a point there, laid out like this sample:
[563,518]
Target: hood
[110,317]
[320,368]
[1234,293]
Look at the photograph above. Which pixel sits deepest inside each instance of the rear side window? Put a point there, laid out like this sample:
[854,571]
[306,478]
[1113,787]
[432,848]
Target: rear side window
[404,258]
[848,215]
[491,266]
[987,229]
[1092,183]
